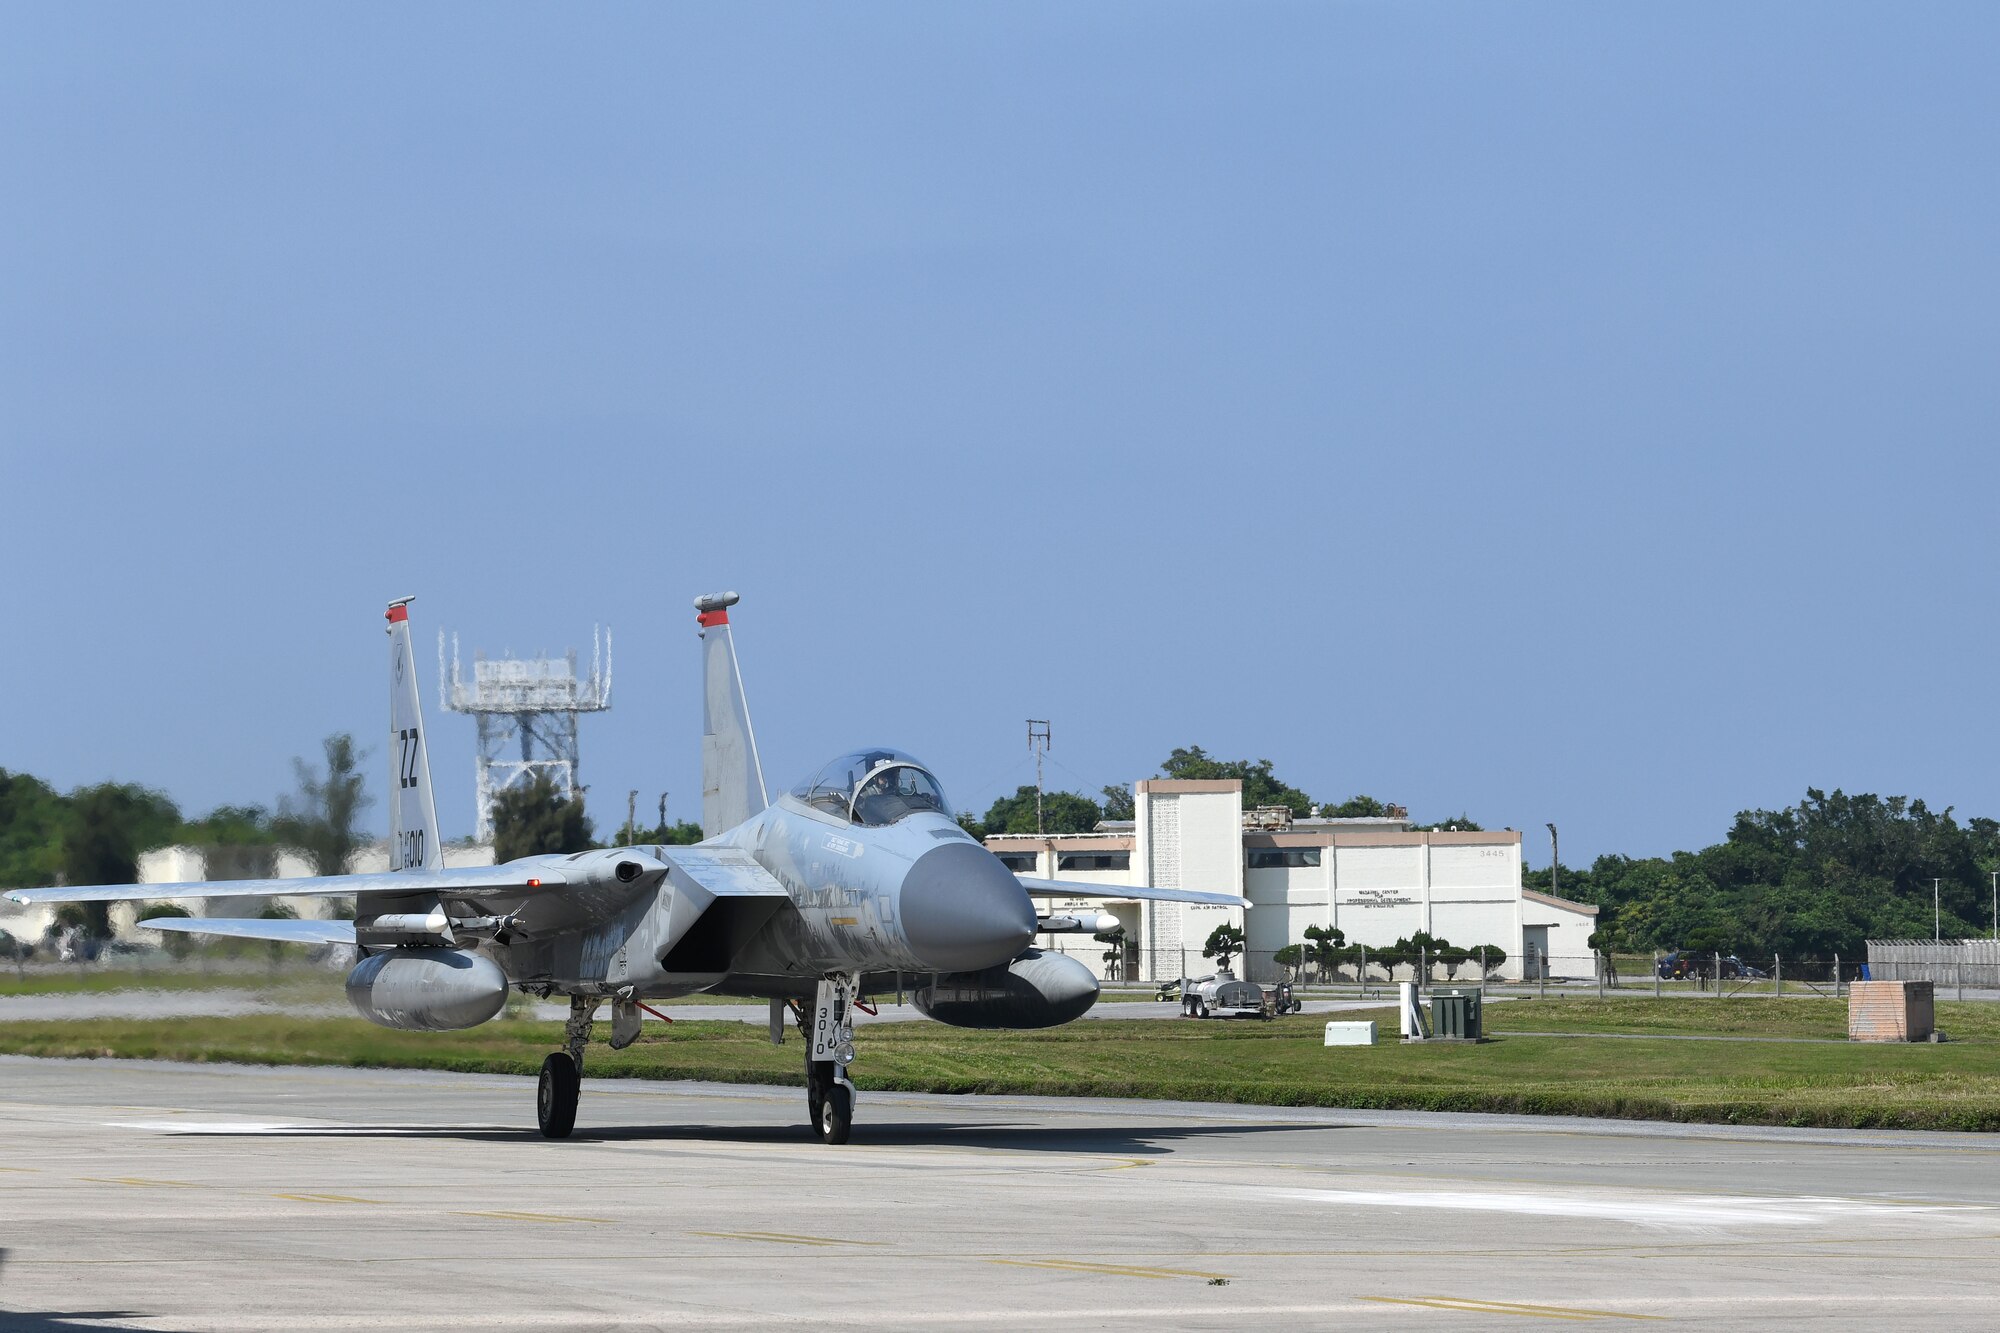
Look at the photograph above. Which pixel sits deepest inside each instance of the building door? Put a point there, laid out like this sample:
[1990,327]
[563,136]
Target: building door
[1126,968]
[1534,953]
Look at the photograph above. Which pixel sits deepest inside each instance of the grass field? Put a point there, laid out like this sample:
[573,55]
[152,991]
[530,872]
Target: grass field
[1649,1072]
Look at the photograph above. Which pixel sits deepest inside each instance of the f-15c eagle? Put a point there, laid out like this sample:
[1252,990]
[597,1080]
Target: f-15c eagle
[856,881]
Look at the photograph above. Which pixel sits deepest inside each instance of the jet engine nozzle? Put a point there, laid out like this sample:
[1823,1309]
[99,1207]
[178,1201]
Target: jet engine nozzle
[962,910]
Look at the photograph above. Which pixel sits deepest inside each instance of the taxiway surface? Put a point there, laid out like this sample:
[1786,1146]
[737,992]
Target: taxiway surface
[138,1195]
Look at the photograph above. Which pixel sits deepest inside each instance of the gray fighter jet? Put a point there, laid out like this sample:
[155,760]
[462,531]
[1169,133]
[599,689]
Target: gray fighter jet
[856,882]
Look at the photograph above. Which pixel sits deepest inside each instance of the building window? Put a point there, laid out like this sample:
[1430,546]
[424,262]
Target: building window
[1283,858]
[1021,863]
[1093,861]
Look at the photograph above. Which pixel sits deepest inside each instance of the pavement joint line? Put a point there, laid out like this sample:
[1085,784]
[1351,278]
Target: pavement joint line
[511,1216]
[1469,1306]
[783,1238]
[1112,1270]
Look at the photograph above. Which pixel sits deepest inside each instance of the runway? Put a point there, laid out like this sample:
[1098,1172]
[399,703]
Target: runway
[137,1195]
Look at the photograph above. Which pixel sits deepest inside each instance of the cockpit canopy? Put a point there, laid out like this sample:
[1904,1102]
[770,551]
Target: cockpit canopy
[873,788]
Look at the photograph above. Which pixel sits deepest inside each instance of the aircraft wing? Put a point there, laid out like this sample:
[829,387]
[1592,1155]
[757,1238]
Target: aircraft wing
[293,932]
[460,881]
[1064,888]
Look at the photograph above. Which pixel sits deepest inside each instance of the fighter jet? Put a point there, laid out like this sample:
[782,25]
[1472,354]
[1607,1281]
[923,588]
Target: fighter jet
[856,882]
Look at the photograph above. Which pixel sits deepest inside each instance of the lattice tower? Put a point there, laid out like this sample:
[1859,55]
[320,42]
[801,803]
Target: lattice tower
[528,706]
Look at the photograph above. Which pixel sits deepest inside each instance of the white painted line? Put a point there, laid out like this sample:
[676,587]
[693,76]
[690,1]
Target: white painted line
[1705,1211]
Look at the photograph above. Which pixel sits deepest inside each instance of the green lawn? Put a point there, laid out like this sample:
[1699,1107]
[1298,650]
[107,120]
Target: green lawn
[1951,1086]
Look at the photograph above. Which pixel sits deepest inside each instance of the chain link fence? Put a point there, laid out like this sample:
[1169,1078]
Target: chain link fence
[1358,971]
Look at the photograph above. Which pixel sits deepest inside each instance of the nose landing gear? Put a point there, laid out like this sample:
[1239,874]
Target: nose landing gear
[830,1095]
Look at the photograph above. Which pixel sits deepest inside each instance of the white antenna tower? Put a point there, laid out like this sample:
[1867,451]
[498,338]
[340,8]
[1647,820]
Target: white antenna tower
[525,704]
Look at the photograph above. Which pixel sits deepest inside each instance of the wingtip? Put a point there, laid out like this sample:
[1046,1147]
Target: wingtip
[713,607]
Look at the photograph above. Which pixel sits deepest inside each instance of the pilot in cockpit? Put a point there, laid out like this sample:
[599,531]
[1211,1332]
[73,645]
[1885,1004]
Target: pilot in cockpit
[892,792]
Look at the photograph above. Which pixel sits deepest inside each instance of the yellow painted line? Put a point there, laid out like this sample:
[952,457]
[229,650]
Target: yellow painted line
[24,1170]
[1506,1307]
[325,1198]
[140,1180]
[782,1238]
[1115,1270]
[508,1216]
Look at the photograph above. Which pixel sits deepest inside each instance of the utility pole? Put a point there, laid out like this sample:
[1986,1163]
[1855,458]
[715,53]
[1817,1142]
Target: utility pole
[1937,916]
[1996,904]
[1555,859]
[1038,741]
[663,812]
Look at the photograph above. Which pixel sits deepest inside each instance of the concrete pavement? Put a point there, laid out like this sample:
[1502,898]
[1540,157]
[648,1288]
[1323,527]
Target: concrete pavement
[137,1195]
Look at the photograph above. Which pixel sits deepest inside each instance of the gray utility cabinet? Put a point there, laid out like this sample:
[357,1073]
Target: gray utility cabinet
[1455,1013]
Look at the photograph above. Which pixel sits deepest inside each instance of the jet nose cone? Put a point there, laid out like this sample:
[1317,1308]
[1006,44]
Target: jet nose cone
[962,910]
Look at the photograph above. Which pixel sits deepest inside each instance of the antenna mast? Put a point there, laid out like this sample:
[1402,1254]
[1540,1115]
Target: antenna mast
[1038,741]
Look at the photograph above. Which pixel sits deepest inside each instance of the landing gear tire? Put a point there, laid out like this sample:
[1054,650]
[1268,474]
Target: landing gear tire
[556,1094]
[819,1078]
[836,1115]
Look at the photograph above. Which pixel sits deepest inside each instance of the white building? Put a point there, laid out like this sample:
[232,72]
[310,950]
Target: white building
[1376,880]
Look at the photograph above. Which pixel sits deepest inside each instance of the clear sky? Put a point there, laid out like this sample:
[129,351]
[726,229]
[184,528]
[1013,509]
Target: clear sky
[1576,412]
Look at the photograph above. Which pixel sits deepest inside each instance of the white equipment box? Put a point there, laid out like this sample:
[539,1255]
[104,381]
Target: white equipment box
[1350,1034]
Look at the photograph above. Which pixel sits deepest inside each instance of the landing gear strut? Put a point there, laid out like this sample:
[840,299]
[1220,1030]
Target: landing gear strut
[829,1050]
[562,1073]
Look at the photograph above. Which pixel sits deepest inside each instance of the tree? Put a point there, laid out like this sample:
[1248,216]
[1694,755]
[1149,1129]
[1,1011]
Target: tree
[681,834]
[108,826]
[1062,812]
[535,818]
[1260,785]
[1113,956]
[1462,824]
[1292,957]
[1224,943]
[33,820]
[1356,807]
[230,826]
[1326,947]
[319,818]
[1118,802]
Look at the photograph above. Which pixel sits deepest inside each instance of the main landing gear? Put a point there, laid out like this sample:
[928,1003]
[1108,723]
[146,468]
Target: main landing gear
[562,1073]
[829,1050]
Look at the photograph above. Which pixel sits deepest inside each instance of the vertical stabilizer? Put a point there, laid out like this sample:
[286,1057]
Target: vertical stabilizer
[413,831]
[732,778]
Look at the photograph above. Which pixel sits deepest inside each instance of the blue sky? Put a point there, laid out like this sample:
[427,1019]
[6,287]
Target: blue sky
[1560,412]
